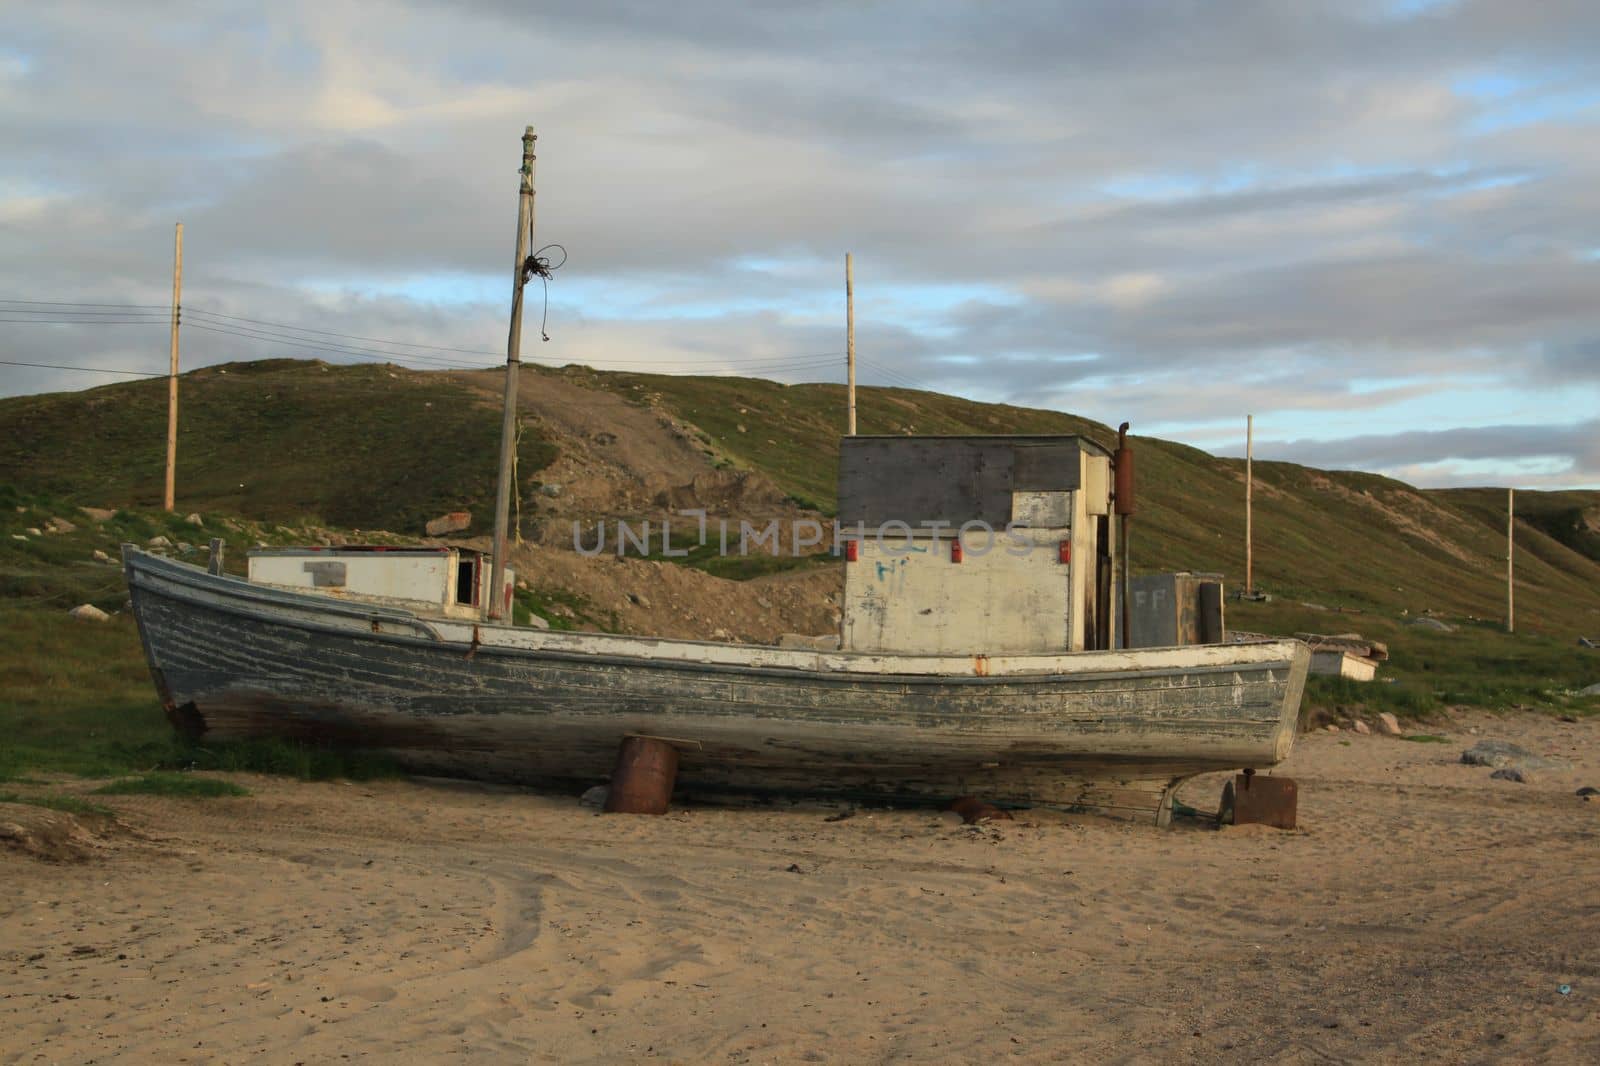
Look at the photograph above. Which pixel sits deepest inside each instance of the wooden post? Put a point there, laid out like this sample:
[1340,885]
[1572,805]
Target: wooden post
[850,339]
[169,497]
[493,608]
[1249,491]
[1511,543]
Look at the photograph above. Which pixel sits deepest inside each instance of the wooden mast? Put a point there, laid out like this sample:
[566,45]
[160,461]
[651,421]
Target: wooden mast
[850,340]
[1249,492]
[1511,544]
[169,496]
[493,607]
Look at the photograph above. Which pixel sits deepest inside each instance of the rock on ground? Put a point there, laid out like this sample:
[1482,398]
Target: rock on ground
[1508,774]
[1502,754]
[1361,727]
[454,522]
[88,612]
[1432,623]
[1389,724]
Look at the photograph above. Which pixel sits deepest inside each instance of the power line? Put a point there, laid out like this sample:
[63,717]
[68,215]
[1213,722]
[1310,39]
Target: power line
[91,315]
[86,369]
[73,303]
[895,377]
[346,336]
[330,347]
[269,326]
[84,321]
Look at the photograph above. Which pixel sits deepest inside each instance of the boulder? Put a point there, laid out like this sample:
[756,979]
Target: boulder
[537,623]
[1592,690]
[99,514]
[454,522]
[194,519]
[1390,724]
[1503,755]
[1361,727]
[160,542]
[552,490]
[34,531]
[60,525]
[101,557]
[88,612]
[595,797]
[1508,774]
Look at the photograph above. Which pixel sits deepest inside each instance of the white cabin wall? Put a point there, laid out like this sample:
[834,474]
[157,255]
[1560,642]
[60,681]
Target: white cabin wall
[918,601]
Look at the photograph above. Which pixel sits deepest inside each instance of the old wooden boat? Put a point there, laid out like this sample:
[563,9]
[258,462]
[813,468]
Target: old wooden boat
[963,666]
[1112,729]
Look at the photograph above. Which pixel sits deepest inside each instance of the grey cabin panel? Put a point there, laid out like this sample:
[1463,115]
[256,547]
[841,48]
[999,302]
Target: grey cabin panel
[918,480]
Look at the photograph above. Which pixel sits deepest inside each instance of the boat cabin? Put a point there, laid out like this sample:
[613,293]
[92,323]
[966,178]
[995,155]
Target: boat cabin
[448,581]
[982,545]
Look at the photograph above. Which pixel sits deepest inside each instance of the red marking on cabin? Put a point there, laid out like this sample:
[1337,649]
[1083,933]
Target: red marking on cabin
[955,550]
[1064,551]
[852,551]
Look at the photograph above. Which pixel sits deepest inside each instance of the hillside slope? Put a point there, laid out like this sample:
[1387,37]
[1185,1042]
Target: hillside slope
[382,447]
[1336,538]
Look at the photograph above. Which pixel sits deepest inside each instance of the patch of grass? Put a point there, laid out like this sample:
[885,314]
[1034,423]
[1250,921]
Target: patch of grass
[1426,738]
[186,786]
[1403,700]
[565,611]
[284,758]
[76,698]
[69,804]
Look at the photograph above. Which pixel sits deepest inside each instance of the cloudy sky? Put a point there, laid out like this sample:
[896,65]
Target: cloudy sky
[1375,225]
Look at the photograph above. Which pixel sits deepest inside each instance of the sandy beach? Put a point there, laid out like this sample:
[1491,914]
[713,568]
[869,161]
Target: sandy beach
[1423,910]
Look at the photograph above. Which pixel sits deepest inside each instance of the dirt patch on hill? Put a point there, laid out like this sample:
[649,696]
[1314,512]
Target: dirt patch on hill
[616,456]
[655,598]
[1412,514]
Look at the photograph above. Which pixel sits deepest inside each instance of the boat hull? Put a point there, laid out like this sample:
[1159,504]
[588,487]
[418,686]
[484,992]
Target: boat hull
[1112,730]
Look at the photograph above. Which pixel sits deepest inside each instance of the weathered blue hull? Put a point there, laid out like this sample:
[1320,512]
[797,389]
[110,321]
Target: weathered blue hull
[1097,729]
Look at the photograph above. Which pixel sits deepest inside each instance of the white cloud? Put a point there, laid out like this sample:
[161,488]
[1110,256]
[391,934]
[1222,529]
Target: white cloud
[1147,205]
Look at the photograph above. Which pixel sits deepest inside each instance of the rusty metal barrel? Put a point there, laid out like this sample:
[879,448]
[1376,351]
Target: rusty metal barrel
[642,780]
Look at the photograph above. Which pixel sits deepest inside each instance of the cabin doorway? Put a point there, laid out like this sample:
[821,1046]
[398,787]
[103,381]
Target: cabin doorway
[467,580]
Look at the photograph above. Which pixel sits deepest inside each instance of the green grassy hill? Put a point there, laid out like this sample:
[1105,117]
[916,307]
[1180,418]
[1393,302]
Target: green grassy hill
[1339,539]
[365,447]
[381,447]
[270,451]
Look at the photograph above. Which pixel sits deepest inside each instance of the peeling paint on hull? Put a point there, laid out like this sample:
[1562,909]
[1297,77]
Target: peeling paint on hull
[1092,729]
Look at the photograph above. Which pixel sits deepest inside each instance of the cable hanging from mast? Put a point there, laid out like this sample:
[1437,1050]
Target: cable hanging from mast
[538,265]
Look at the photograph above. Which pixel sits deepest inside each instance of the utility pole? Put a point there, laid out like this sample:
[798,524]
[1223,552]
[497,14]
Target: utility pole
[1511,542]
[493,608]
[1249,492]
[169,500]
[850,338]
